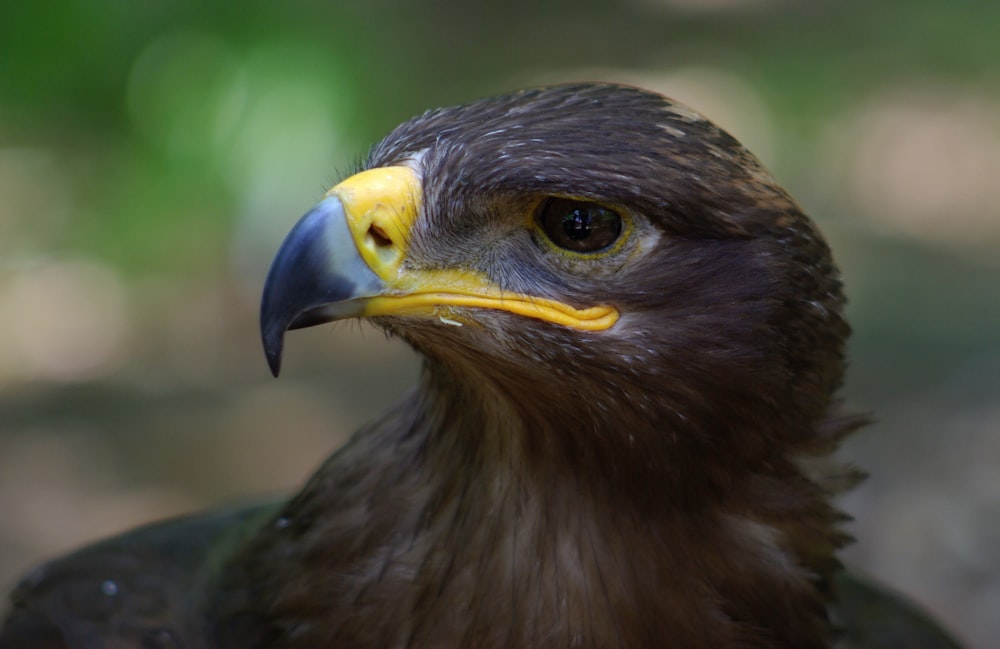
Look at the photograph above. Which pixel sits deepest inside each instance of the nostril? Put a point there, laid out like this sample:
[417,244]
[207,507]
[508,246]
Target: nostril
[379,236]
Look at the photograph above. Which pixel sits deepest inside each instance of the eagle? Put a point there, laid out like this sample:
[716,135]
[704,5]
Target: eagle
[633,341]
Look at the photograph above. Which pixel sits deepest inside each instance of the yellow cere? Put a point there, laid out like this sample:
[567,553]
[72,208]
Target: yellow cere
[381,206]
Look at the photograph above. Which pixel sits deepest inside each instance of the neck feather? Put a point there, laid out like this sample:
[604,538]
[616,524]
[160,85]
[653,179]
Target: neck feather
[459,520]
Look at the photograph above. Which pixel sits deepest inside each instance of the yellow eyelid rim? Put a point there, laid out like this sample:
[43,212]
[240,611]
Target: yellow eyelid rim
[627,228]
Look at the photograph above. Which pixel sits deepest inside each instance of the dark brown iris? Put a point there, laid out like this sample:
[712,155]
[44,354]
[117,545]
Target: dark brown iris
[579,226]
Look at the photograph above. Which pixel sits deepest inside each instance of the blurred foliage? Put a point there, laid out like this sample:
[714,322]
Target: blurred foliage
[151,110]
[153,154]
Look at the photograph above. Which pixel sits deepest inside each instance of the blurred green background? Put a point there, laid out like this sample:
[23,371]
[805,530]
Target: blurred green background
[153,154]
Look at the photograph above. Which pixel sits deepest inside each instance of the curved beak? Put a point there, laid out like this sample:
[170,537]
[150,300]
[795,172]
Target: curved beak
[348,257]
[339,254]
[317,276]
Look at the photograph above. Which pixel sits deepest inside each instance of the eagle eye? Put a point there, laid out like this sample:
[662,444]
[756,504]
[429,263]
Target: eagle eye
[579,226]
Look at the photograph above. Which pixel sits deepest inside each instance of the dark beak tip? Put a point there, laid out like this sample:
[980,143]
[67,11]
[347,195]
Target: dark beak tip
[273,339]
[274,364]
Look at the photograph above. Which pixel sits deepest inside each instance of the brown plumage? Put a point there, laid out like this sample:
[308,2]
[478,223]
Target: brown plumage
[655,478]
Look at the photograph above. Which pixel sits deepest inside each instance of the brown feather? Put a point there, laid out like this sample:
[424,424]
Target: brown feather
[548,488]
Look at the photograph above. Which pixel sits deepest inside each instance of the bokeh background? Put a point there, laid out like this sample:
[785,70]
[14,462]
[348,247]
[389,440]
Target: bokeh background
[153,154]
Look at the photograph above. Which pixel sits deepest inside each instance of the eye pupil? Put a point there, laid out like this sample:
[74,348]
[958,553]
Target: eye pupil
[579,226]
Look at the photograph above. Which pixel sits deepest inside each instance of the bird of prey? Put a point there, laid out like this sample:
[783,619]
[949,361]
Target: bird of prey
[633,338]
